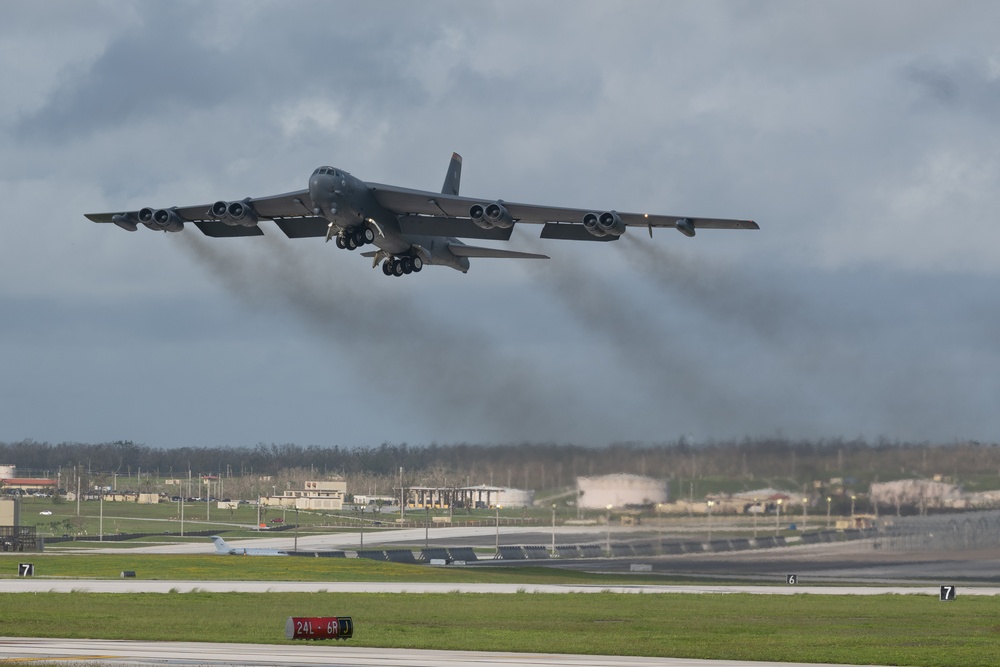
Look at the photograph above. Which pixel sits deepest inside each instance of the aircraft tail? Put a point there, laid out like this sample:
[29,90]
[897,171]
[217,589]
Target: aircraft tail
[454,176]
[220,545]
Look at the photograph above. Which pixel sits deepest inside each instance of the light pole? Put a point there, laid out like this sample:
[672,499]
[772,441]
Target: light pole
[659,523]
[180,501]
[710,503]
[296,547]
[361,521]
[853,498]
[498,527]
[553,529]
[828,500]
[427,526]
[101,527]
[805,513]
[608,542]
[756,508]
[777,517]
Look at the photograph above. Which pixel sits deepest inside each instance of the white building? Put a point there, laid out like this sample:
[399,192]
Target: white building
[620,490]
[316,495]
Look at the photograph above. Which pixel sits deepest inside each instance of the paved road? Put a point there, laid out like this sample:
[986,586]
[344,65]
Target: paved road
[108,652]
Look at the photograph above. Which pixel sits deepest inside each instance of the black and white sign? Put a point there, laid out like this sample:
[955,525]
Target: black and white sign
[25,569]
[792,579]
[947,593]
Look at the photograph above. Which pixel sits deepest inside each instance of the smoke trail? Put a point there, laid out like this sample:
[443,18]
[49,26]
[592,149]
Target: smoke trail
[667,377]
[731,297]
[454,378]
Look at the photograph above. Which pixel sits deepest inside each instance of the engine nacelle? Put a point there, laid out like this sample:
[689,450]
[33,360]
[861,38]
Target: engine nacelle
[235,213]
[491,216]
[591,222]
[498,215]
[241,213]
[478,214]
[161,219]
[685,227]
[611,224]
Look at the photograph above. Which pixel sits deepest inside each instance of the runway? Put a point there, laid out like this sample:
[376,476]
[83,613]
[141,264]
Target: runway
[165,586]
[108,652]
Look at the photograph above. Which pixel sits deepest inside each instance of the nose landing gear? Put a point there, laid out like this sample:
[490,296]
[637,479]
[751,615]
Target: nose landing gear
[397,266]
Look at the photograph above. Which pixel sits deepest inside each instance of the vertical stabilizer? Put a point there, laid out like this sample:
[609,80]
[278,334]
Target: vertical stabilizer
[454,176]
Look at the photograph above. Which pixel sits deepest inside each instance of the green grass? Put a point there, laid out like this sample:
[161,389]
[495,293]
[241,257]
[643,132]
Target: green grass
[885,630]
[239,568]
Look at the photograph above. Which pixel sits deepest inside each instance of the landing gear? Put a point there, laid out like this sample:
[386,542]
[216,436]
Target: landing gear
[355,238]
[398,266]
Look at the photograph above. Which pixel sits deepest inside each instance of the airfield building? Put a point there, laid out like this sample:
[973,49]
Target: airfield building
[621,490]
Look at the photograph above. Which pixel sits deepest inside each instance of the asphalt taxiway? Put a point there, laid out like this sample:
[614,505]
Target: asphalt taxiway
[141,653]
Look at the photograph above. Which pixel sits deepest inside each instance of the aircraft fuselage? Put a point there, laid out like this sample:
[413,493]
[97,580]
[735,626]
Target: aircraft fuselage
[348,204]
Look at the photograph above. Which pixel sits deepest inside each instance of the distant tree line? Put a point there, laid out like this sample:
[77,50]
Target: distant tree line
[745,464]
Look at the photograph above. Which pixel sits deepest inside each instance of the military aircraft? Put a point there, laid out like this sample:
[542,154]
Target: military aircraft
[410,228]
[225,549]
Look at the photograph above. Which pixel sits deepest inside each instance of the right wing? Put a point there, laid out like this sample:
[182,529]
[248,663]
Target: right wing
[292,212]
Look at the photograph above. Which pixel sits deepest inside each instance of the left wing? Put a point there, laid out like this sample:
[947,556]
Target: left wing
[451,215]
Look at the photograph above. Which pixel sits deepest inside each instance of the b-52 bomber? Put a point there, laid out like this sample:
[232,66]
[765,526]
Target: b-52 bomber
[409,228]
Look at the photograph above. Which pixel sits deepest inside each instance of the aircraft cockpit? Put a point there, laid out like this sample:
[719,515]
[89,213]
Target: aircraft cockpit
[327,170]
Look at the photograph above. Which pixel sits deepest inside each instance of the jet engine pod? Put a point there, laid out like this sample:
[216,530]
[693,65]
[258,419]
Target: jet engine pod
[685,227]
[478,214]
[491,216]
[498,215]
[611,224]
[592,224]
[220,210]
[242,213]
[161,219]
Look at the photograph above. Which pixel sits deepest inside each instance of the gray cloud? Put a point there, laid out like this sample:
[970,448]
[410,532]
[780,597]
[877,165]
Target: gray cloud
[860,138]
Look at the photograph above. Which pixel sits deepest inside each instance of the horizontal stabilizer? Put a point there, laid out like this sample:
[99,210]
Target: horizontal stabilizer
[460,250]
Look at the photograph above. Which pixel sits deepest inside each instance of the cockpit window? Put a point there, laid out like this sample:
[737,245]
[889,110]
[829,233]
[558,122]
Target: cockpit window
[326,170]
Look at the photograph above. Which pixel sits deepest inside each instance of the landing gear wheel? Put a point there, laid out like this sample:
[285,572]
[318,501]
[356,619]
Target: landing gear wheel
[349,243]
[407,263]
[397,268]
[387,267]
[340,241]
[367,236]
[417,264]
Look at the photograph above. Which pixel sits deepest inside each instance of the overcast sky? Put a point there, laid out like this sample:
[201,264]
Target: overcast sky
[863,137]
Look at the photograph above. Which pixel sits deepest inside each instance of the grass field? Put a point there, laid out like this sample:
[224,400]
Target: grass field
[882,630]
[239,568]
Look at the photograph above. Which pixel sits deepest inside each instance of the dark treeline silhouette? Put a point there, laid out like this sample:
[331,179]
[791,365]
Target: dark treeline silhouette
[749,463]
